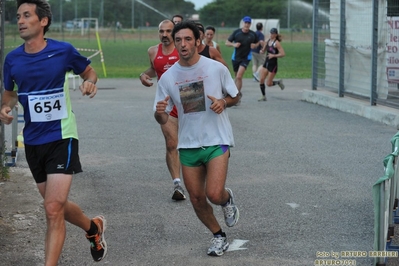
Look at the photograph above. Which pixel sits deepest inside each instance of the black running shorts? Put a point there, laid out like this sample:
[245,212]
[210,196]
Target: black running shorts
[58,157]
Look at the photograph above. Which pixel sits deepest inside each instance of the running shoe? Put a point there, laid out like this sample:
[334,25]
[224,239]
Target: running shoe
[281,84]
[178,193]
[98,246]
[262,99]
[231,213]
[256,76]
[218,247]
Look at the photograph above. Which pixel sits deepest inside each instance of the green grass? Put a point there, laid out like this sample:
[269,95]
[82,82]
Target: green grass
[127,58]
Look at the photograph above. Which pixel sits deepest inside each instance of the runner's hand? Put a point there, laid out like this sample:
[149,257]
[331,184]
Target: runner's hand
[4,116]
[217,105]
[161,105]
[146,80]
[88,88]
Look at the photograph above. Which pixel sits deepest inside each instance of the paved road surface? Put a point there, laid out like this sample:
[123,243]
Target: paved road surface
[302,175]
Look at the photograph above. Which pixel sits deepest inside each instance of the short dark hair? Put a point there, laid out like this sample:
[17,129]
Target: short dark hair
[200,27]
[186,24]
[212,28]
[259,26]
[178,16]
[43,10]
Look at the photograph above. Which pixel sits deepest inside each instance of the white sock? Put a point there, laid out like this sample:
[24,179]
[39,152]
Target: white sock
[176,180]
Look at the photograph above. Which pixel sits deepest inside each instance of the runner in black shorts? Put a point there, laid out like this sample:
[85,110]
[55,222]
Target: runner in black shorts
[50,131]
[243,40]
[273,50]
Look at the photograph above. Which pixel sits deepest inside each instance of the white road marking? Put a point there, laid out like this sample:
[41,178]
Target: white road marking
[236,245]
[293,205]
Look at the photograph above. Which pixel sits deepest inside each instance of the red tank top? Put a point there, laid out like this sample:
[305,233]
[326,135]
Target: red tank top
[164,62]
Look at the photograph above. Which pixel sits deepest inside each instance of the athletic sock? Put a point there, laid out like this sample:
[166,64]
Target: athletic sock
[276,82]
[93,229]
[262,89]
[225,204]
[176,181]
[219,233]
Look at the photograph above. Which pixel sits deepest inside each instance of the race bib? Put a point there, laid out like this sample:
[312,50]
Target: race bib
[49,107]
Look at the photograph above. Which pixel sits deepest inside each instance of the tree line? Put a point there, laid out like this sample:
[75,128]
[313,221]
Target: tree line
[136,13]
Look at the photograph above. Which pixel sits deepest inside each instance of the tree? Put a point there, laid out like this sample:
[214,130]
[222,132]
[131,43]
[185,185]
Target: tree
[228,11]
[113,10]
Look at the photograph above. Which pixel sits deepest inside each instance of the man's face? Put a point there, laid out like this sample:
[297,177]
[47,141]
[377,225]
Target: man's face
[29,24]
[177,20]
[247,25]
[186,44]
[165,32]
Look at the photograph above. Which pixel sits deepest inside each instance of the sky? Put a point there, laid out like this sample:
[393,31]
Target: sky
[199,3]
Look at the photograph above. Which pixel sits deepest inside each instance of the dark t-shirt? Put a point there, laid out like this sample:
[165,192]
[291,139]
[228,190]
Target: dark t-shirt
[261,37]
[245,38]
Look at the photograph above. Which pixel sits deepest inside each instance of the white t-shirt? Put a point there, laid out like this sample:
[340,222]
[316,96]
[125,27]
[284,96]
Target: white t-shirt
[188,88]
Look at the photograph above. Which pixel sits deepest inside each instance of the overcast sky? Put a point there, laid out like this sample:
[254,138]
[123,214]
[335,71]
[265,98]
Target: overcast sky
[199,3]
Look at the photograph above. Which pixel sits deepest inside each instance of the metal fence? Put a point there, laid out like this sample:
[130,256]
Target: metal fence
[2,7]
[356,50]
[8,135]
[386,211]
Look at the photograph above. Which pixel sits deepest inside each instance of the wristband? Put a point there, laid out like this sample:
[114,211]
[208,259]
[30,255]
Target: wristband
[225,103]
[141,74]
[89,80]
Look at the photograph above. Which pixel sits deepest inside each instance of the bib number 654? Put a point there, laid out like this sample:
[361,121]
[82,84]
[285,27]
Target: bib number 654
[47,106]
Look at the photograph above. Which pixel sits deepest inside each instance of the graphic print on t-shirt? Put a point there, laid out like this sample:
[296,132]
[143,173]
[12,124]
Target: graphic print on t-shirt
[192,97]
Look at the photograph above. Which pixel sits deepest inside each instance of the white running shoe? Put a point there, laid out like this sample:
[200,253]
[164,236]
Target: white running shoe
[218,247]
[178,193]
[231,213]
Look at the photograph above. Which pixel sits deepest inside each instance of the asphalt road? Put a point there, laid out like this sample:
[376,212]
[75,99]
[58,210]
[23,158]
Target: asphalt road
[302,175]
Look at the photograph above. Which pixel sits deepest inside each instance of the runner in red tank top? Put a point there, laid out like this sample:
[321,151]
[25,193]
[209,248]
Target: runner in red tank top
[162,56]
[163,62]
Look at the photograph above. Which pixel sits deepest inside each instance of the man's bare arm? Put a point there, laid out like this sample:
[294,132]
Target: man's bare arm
[149,73]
